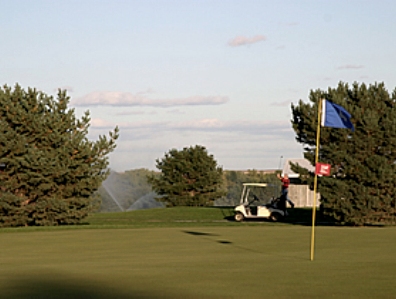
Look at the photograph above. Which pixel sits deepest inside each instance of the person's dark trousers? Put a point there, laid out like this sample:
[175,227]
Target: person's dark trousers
[285,192]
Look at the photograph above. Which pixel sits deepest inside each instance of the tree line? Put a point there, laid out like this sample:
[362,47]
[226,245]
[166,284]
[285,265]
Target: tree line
[50,172]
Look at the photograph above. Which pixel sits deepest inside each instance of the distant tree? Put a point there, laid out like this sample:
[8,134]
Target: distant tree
[49,168]
[361,188]
[189,177]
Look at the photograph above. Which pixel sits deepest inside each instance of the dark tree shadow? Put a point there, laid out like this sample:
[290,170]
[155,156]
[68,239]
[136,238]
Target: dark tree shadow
[296,216]
[194,233]
[207,237]
[58,286]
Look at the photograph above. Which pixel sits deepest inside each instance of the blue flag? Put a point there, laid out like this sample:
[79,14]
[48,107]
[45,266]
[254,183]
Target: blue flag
[335,116]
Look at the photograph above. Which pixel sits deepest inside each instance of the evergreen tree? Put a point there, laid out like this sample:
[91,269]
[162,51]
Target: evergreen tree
[189,177]
[49,169]
[361,189]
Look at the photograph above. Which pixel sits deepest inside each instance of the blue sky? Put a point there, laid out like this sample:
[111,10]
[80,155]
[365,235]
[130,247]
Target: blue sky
[219,73]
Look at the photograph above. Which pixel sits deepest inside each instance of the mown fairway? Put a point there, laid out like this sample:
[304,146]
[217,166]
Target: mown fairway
[196,259]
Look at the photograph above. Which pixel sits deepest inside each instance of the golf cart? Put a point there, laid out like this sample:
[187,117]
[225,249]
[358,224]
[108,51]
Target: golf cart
[253,206]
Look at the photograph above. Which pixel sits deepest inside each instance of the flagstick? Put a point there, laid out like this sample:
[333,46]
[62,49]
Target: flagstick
[315,180]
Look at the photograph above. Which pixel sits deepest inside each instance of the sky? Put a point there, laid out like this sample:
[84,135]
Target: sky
[178,73]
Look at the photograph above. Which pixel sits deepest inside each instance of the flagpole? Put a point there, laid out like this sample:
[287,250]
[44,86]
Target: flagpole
[315,180]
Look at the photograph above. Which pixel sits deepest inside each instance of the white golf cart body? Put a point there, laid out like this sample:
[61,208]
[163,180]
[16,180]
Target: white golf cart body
[252,206]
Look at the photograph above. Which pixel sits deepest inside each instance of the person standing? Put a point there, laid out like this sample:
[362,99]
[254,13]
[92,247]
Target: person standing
[285,188]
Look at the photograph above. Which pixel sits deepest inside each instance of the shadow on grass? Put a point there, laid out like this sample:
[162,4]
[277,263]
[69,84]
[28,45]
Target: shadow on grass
[296,216]
[202,234]
[56,286]
[207,237]
[303,216]
[199,233]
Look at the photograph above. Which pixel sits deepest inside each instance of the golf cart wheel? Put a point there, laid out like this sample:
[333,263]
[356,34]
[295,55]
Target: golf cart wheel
[239,217]
[275,217]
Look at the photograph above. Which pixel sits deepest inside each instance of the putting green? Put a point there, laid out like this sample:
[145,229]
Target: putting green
[199,262]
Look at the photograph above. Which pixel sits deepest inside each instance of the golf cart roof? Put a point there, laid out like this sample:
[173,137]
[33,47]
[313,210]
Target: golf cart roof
[255,184]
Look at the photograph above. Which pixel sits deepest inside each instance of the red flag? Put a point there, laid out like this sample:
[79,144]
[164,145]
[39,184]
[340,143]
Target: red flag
[322,169]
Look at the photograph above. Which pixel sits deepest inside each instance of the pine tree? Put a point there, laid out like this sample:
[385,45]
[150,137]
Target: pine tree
[49,169]
[189,177]
[361,188]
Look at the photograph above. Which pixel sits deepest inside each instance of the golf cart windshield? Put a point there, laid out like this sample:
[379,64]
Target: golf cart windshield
[255,194]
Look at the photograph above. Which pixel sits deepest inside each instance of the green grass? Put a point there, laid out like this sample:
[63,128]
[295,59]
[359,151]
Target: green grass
[178,216]
[172,217]
[195,253]
[186,216]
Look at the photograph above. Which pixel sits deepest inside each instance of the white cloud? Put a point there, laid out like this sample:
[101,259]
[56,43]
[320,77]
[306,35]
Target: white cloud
[242,40]
[149,128]
[101,123]
[235,144]
[128,99]
[176,111]
[350,67]
[130,113]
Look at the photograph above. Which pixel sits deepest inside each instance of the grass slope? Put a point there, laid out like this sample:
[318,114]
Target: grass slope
[207,257]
